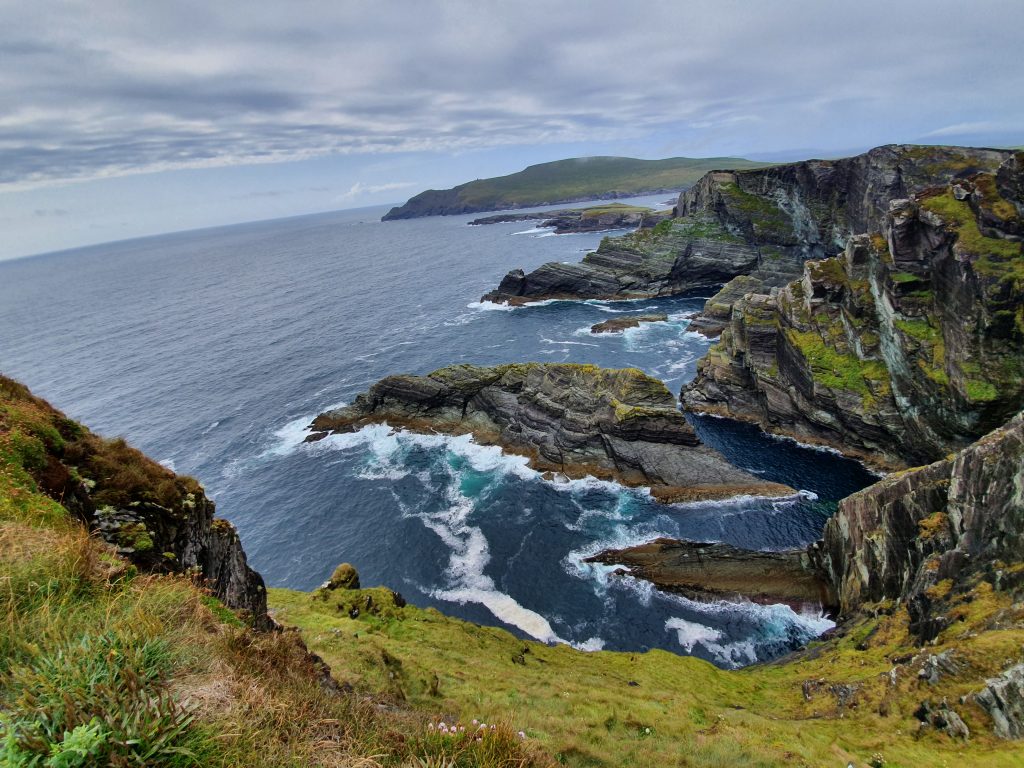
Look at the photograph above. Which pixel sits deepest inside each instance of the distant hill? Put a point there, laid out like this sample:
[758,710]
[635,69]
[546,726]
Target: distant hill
[567,181]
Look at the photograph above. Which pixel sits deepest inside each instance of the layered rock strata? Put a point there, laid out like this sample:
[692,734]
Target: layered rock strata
[907,346]
[576,420]
[715,571]
[764,222]
[928,537]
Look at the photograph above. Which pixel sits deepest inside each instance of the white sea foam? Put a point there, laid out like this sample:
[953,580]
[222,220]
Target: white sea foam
[168,464]
[534,231]
[490,306]
[775,623]
[290,436]
[571,343]
[212,426]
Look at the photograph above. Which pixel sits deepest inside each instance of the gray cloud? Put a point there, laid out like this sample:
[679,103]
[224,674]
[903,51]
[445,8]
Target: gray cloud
[106,88]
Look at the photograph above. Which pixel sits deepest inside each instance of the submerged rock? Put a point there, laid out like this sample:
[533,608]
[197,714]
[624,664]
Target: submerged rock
[617,324]
[578,420]
[702,571]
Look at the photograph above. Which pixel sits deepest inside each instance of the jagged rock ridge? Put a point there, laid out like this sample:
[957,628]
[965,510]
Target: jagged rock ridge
[764,222]
[160,521]
[577,420]
[908,346]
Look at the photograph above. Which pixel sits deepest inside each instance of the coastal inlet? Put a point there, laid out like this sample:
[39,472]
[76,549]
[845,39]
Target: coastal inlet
[443,520]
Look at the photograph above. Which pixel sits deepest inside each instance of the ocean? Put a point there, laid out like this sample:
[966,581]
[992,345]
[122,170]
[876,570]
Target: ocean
[212,351]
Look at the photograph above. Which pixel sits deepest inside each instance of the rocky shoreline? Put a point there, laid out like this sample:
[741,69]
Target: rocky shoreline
[902,349]
[762,222]
[575,420]
[593,219]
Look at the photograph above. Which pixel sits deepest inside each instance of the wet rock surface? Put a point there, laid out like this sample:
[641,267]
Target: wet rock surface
[709,571]
[576,420]
[618,324]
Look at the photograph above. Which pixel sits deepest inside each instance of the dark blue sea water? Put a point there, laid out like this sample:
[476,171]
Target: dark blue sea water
[212,350]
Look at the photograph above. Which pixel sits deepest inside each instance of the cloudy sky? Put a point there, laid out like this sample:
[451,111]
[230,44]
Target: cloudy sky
[119,119]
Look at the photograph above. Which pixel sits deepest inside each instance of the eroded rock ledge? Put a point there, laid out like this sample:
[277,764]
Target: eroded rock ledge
[617,324]
[577,420]
[706,571]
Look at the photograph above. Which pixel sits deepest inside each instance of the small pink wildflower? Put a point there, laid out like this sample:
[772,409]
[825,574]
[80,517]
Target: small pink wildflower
[522,735]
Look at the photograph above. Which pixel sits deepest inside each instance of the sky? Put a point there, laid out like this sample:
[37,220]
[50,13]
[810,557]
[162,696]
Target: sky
[122,119]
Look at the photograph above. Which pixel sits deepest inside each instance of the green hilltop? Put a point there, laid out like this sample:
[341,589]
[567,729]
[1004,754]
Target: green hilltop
[566,181]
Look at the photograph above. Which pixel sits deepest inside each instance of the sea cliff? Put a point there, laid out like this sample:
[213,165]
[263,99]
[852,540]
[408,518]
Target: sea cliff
[762,222]
[907,346]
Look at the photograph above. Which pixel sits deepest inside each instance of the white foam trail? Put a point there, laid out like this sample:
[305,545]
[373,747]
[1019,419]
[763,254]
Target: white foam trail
[167,464]
[211,427]
[690,633]
[535,231]
[505,608]
[572,343]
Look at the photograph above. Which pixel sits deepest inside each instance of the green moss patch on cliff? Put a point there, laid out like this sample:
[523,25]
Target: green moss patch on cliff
[838,370]
[768,221]
[995,257]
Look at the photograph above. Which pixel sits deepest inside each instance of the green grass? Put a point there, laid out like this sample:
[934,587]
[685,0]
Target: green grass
[994,257]
[575,179]
[640,709]
[769,222]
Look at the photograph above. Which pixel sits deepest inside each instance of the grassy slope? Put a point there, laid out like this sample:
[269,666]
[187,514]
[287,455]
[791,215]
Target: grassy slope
[103,665]
[585,710]
[581,178]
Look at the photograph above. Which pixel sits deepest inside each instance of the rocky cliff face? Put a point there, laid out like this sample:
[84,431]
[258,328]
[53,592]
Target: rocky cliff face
[160,521]
[929,537]
[577,420]
[907,346]
[764,222]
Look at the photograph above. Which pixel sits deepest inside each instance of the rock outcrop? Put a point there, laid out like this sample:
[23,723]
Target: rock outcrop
[929,537]
[618,324]
[160,521]
[705,571]
[593,219]
[576,420]
[764,222]
[907,346]
[717,311]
